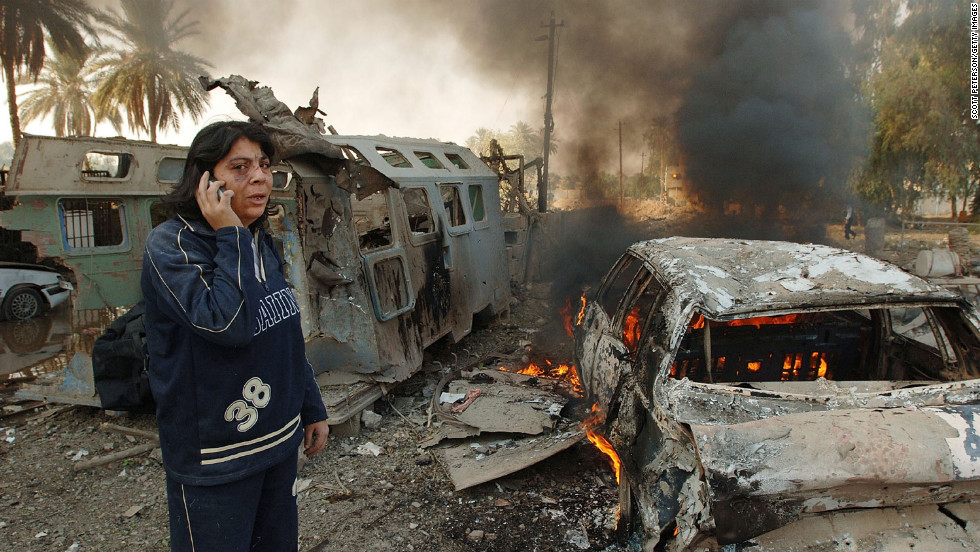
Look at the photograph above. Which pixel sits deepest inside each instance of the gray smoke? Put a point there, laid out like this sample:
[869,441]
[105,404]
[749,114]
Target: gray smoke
[773,122]
[765,110]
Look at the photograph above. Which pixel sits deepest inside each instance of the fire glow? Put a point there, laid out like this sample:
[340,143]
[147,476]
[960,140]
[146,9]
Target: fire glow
[566,316]
[551,371]
[792,364]
[601,442]
[795,366]
[631,329]
[697,321]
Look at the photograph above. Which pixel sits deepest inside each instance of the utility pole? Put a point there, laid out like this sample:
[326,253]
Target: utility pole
[621,196]
[549,123]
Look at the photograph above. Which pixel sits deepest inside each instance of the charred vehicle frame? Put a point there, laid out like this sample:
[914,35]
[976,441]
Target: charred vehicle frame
[839,398]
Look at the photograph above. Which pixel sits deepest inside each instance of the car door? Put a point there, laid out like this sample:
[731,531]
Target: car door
[598,320]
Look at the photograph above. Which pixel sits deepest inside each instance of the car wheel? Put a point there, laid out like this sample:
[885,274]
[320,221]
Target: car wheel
[22,304]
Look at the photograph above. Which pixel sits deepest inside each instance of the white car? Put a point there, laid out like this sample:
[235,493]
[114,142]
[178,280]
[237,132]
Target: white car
[27,290]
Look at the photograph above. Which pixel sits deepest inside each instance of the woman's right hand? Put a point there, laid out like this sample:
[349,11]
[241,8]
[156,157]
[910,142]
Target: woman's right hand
[216,207]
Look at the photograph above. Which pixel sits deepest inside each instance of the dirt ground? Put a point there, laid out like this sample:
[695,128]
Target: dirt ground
[399,500]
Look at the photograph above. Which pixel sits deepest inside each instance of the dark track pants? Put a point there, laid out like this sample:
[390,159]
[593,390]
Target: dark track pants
[256,514]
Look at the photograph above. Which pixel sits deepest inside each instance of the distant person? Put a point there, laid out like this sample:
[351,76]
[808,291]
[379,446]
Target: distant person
[235,393]
[848,221]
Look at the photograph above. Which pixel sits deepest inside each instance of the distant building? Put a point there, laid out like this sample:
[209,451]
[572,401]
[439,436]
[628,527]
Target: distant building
[675,189]
[932,207]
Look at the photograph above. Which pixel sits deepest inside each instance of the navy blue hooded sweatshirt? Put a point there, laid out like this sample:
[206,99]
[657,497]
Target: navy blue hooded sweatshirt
[228,366]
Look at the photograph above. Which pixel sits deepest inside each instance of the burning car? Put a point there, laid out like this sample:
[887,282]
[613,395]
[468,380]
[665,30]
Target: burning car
[792,397]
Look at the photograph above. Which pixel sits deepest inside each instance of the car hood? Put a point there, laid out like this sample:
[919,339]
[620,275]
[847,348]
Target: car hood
[767,473]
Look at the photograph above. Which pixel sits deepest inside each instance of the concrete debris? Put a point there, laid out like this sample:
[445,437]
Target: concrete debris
[369,449]
[577,539]
[450,398]
[467,467]
[302,485]
[370,419]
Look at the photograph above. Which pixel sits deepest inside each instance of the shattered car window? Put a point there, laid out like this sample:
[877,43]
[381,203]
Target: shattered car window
[639,306]
[914,324]
[429,160]
[420,219]
[476,202]
[456,160]
[843,345]
[394,157]
[615,286]
[354,155]
[372,222]
[454,205]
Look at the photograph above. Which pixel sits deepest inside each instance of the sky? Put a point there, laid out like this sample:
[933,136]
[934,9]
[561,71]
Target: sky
[378,72]
[738,81]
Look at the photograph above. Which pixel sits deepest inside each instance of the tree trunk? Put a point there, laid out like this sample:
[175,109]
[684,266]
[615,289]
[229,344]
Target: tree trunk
[952,206]
[8,73]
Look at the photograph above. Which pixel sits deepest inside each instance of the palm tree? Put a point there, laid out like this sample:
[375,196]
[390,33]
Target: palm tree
[153,82]
[480,142]
[64,91]
[23,26]
[525,140]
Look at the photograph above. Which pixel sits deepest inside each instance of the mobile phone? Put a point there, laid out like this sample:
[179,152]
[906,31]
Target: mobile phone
[221,189]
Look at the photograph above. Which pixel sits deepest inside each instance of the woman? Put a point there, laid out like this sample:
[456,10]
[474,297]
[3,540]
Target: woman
[228,366]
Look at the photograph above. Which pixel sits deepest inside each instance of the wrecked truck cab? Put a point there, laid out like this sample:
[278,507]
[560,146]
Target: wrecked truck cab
[391,263]
[388,247]
[752,388]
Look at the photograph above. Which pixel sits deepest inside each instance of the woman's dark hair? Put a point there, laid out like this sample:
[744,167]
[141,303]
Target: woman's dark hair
[211,145]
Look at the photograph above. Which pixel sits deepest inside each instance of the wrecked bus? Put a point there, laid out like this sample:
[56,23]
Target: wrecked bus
[389,246]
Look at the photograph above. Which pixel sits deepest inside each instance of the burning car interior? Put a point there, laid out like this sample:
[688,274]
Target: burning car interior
[710,361]
[905,345]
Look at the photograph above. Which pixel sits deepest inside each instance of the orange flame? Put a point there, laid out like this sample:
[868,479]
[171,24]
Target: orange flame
[818,362]
[697,321]
[601,442]
[793,363]
[581,312]
[631,329]
[550,371]
[762,320]
[566,317]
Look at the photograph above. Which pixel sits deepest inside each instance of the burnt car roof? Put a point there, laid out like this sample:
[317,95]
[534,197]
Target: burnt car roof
[730,277]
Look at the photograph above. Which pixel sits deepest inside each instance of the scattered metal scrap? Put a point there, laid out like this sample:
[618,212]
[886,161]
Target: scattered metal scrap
[468,467]
[503,404]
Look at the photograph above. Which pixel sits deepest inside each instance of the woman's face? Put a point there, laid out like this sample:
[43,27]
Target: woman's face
[246,171]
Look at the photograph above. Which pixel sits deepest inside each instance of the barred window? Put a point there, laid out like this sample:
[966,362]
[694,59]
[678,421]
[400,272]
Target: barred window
[88,223]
